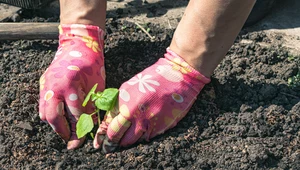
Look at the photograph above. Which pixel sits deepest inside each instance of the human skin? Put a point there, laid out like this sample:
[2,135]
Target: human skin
[207,30]
[88,12]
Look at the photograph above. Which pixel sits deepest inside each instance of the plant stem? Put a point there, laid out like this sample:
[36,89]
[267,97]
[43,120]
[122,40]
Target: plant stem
[99,120]
[93,113]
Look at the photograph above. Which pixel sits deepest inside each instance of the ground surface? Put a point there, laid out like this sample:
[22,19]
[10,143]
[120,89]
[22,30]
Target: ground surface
[246,118]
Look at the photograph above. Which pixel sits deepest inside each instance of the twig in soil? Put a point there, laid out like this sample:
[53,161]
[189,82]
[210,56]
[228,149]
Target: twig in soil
[170,24]
[143,29]
[290,95]
[42,64]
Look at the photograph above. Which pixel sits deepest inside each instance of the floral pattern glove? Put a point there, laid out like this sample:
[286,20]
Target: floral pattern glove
[76,67]
[151,102]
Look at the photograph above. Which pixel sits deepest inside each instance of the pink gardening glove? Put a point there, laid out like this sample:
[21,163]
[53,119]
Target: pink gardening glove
[76,67]
[151,102]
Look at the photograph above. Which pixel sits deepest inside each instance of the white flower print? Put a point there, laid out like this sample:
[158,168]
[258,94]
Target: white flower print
[169,73]
[143,82]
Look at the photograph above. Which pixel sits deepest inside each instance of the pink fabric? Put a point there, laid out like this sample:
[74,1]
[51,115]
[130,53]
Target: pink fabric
[152,102]
[76,67]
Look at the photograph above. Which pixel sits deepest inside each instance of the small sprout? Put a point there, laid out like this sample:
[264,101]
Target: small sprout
[291,58]
[105,100]
[145,31]
[123,28]
[295,80]
[92,135]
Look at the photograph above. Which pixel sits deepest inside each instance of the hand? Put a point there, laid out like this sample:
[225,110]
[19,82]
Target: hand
[151,102]
[76,67]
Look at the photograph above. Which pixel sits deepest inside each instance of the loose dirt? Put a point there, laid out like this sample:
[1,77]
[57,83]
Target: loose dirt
[246,118]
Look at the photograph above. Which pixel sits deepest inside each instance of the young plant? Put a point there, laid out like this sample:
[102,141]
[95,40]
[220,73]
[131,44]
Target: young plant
[294,81]
[105,100]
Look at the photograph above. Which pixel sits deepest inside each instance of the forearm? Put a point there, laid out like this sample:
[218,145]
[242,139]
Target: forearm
[207,31]
[89,12]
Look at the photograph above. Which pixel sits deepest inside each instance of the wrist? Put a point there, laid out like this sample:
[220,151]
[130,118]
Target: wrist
[83,12]
[180,64]
[197,57]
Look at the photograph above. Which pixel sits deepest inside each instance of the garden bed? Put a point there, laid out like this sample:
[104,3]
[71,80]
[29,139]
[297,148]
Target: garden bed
[246,118]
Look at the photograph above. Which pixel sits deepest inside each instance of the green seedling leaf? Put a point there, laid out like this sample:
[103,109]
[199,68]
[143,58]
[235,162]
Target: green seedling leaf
[93,97]
[294,81]
[291,58]
[84,125]
[290,80]
[96,96]
[87,98]
[92,135]
[108,99]
[105,100]
[99,94]
[91,93]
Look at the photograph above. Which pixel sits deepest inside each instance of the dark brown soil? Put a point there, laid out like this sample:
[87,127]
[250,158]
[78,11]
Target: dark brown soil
[246,118]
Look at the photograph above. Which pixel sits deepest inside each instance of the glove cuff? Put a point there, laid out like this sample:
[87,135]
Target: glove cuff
[184,67]
[88,32]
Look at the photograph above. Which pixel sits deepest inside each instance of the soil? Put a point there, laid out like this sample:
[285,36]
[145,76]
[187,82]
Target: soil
[246,118]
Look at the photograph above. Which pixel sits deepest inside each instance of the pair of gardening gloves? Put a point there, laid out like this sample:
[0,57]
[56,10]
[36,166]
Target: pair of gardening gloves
[150,103]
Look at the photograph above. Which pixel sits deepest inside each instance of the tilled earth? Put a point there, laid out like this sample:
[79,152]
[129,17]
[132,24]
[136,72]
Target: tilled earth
[246,118]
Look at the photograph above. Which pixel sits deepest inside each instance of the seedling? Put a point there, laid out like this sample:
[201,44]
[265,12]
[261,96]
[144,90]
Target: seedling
[292,58]
[105,100]
[295,80]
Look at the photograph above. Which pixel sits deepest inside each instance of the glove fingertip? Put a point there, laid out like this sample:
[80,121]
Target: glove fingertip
[109,146]
[98,141]
[76,143]
[42,117]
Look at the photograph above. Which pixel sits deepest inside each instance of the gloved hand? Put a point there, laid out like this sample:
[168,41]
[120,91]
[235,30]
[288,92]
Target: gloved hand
[76,67]
[151,102]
